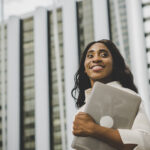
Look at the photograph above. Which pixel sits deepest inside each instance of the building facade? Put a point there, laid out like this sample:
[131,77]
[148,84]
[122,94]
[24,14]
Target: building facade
[42,50]
[146,20]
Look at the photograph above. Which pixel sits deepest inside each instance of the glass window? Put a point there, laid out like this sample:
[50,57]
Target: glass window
[84,23]
[27,86]
[124,27]
[5,90]
[55,110]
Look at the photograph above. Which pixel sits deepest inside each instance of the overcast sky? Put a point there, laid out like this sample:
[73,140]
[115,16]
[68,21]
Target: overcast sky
[18,7]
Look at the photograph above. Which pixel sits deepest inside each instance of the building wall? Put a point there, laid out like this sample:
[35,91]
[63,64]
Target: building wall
[146,20]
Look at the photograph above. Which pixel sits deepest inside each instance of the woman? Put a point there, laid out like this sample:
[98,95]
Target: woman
[101,61]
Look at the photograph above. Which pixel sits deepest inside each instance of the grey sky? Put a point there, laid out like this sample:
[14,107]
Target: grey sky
[18,7]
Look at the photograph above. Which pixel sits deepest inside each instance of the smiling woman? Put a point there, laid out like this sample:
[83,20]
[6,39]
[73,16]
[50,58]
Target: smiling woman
[98,63]
[101,61]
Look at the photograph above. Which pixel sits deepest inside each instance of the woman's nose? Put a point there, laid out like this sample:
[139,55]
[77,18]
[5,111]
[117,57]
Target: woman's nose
[97,59]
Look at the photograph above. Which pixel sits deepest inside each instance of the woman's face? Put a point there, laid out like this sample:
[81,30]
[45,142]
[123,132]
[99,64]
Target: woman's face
[98,63]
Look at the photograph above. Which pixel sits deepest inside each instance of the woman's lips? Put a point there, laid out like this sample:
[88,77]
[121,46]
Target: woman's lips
[97,68]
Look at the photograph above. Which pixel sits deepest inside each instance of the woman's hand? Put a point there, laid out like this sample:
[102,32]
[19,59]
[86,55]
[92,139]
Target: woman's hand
[83,124]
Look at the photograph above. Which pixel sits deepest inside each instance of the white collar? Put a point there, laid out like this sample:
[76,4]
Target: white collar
[114,83]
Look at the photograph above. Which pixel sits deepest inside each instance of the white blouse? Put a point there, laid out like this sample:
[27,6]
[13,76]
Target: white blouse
[139,134]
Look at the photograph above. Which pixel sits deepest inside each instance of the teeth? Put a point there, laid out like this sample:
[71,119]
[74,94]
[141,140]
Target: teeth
[97,66]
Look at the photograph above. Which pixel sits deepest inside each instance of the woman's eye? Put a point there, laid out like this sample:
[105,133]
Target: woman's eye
[103,54]
[89,55]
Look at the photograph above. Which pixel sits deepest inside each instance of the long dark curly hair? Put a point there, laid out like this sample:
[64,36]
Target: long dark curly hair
[120,72]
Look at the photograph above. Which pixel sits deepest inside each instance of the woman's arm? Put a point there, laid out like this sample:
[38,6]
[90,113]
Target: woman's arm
[84,125]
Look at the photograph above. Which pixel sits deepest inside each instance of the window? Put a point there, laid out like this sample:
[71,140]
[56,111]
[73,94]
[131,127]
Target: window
[27,86]
[54,101]
[84,23]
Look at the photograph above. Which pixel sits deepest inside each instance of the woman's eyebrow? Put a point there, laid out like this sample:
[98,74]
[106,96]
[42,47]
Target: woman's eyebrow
[101,50]
[90,51]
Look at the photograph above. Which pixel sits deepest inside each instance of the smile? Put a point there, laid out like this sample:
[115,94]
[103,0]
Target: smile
[97,67]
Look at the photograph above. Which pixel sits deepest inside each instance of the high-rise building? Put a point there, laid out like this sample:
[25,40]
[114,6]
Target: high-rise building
[40,109]
[146,20]
[118,27]
[56,139]
[84,23]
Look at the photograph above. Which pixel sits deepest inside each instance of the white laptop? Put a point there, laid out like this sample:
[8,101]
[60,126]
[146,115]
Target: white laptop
[110,107]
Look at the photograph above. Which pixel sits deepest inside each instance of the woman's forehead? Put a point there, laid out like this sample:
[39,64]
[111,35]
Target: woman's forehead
[97,46]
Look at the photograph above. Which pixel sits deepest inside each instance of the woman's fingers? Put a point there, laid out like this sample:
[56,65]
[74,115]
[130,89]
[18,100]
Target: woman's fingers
[75,127]
[84,117]
[83,124]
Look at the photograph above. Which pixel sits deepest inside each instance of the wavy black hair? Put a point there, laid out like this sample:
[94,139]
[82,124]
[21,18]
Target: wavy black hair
[120,72]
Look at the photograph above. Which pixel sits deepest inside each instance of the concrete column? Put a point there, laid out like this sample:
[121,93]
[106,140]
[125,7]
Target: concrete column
[138,49]
[101,21]
[13,84]
[42,122]
[70,61]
